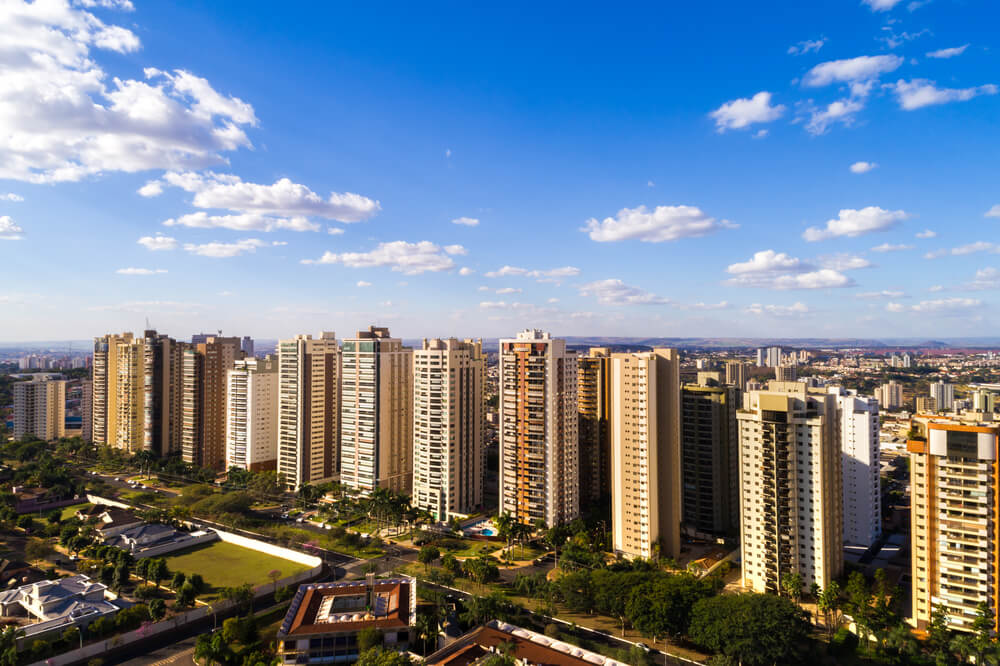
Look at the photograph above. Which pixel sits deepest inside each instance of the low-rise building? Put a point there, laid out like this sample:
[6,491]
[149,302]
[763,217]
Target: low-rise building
[109,520]
[155,539]
[75,601]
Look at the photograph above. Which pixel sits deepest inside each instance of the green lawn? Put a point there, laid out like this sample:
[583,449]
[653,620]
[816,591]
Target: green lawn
[70,511]
[224,564]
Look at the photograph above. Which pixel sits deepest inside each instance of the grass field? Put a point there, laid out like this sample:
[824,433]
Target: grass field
[224,564]
[70,511]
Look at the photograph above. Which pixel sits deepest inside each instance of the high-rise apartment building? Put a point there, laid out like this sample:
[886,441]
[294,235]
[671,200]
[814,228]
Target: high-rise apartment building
[377,413]
[162,393]
[539,436]
[448,418]
[594,405]
[926,405]
[206,365]
[955,518]
[104,411]
[87,410]
[890,396]
[308,408]
[737,374]
[252,414]
[791,504]
[646,453]
[944,394]
[858,418]
[786,373]
[40,408]
[710,459]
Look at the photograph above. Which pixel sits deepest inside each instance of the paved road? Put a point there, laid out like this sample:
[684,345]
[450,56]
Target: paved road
[181,653]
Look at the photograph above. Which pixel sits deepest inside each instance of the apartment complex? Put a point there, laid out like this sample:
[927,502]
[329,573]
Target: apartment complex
[377,418]
[104,413]
[252,415]
[40,408]
[594,407]
[539,459]
[737,374]
[890,396]
[859,440]
[308,408]
[943,394]
[206,364]
[790,487]
[646,453]
[448,455]
[710,459]
[954,519]
[87,410]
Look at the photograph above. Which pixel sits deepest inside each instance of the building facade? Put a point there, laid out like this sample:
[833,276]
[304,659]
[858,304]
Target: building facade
[790,483]
[646,454]
[859,441]
[252,415]
[943,394]
[594,408]
[539,421]
[104,373]
[448,418]
[40,409]
[737,374]
[206,364]
[890,395]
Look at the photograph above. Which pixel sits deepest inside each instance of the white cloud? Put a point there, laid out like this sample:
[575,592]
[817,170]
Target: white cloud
[807,46]
[881,5]
[889,247]
[776,270]
[493,305]
[957,305]
[447,152]
[362,283]
[400,256]
[219,250]
[986,278]
[885,293]
[894,307]
[552,300]
[140,271]
[465,270]
[926,233]
[564,272]
[152,307]
[721,305]
[455,250]
[616,292]
[850,70]
[10,196]
[9,230]
[153,188]
[335,231]
[919,93]
[241,222]
[466,221]
[760,134]
[743,112]
[482,288]
[851,223]
[508,290]
[863,167]
[65,118]
[948,53]
[768,261]
[935,288]
[841,111]
[844,262]
[158,242]
[650,183]
[993,212]
[961,250]
[664,223]
[797,309]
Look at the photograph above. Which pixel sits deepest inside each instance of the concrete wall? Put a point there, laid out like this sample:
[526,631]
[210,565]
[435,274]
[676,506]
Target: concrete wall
[195,539]
[277,551]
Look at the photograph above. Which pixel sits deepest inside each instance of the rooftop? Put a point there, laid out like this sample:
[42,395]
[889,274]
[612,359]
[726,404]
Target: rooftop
[349,606]
[528,646]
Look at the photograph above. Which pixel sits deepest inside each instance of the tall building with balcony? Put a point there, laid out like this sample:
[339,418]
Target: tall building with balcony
[791,504]
[104,373]
[890,395]
[252,415]
[594,405]
[954,517]
[710,459]
[308,408]
[943,394]
[858,418]
[646,454]
[86,410]
[40,408]
[737,374]
[448,454]
[539,421]
[206,364]
[377,413]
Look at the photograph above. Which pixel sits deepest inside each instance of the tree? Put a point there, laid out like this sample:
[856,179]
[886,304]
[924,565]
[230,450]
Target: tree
[828,603]
[754,629]
[427,555]
[241,596]
[379,656]
[142,569]
[186,595]
[212,649]
[157,610]
[939,634]
[369,638]
[158,570]
[982,629]
[37,549]
[8,645]
[791,584]
[275,576]
[120,579]
[178,580]
[197,582]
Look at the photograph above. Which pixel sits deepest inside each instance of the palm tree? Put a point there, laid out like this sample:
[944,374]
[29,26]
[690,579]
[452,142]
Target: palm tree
[8,645]
[505,523]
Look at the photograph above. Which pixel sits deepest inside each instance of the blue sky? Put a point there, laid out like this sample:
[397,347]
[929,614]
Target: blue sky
[817,169]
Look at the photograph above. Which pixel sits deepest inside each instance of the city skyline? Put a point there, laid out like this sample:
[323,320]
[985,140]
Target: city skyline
[468,173]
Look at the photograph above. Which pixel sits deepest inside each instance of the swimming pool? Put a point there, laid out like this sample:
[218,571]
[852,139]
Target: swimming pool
[488,531]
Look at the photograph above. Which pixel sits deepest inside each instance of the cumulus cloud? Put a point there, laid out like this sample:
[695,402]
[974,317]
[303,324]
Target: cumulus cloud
[140,271]
[851,223]
[919,93]
[721,305]
[948,53]
[851,70]
[968,248]
[466,221]
[926,233]
[885,293]
[993,212]
[881,5]
[957,306]
[10,196]
[616,292]
[241,222]
[335,231]
[743,112]
[153,188]
[664,223]
[841,111]
[768,269]
[158,242]
[465,270]
[796,309]
[768,261]
[455,250]
[889,247]
[219,250]
[9,230]
[400,256]
[65,118]
[362,283]
[986,278]
[807,46]
[844,262]
[563,272]
[508,290]
[863,167]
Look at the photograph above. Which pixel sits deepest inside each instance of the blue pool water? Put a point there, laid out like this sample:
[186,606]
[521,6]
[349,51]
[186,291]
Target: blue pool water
[487,531]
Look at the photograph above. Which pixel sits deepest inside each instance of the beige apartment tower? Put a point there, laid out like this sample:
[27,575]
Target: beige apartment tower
[40,408]
[646,454]
[737,374]
[539,419]
[448,453]
[104,411]
[594,405]
[955,485]
[308,409]
[377,417]
[790,482]
[252,415]
[206,366]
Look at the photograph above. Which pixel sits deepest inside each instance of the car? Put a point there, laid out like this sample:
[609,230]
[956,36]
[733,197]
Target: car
[644,647]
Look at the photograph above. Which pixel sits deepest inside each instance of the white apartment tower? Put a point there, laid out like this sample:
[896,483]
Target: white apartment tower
[859,441]
[944,395]
[252,414]
[539,446]
[790,483]
[376,413]
[40,408]
[448,454]
[308,408]
[646,454]
[890,396]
